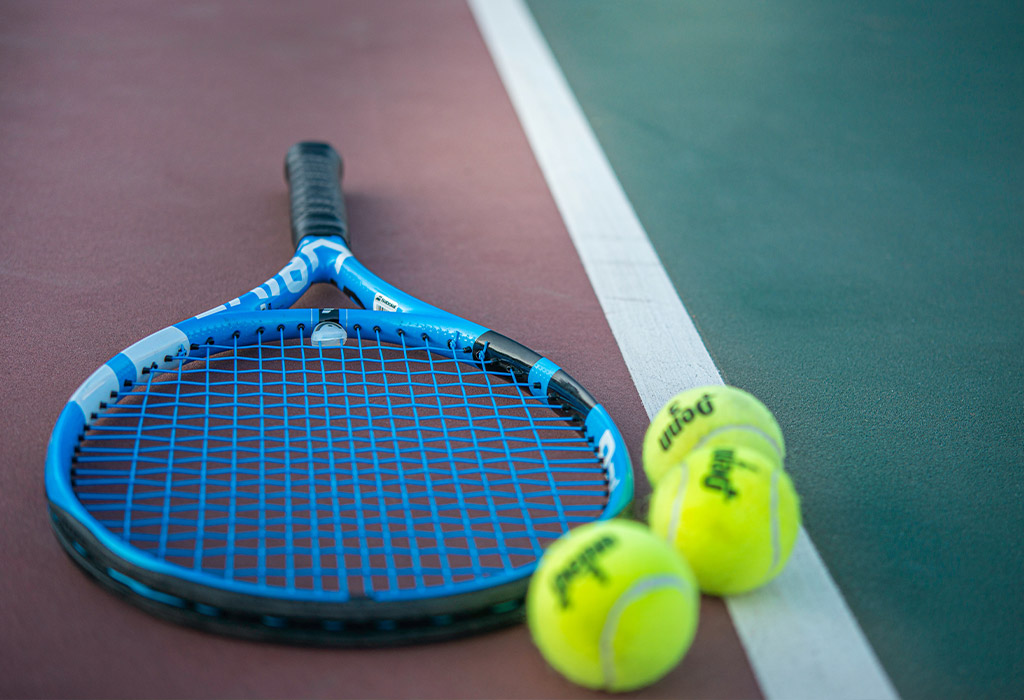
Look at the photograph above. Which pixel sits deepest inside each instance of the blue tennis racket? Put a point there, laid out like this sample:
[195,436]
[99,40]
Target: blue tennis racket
[355,477]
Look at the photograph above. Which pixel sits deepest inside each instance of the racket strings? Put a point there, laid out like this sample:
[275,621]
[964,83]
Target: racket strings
[367,468]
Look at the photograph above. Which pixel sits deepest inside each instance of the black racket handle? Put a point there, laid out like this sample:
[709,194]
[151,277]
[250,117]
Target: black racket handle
[313,171]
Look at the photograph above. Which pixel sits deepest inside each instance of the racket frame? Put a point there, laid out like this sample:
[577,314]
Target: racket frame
[236,607]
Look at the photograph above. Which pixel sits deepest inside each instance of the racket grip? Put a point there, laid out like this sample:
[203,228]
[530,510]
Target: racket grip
[313,171]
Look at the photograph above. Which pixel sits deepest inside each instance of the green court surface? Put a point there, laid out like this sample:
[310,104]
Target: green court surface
[835,190]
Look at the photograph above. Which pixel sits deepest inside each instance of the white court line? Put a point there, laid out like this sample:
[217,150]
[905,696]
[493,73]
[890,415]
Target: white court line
[799,634]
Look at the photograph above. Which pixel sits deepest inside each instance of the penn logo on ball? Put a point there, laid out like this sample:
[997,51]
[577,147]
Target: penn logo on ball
[732,513]
[710,415]
[584,564]
[613,607]
[681,416]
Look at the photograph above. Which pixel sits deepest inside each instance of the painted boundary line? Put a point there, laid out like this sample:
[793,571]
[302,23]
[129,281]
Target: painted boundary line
[800,636]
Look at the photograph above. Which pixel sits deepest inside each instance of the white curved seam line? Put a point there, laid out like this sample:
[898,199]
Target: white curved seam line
[611,623]
[744,428]
[677,507]
[776,526]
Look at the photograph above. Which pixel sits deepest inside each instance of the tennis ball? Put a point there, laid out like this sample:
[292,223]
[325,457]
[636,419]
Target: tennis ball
[708,415]
[612,607]
[732,513]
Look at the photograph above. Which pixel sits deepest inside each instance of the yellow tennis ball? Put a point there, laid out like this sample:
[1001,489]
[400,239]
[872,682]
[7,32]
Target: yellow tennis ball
[732,513]
[708,415]
[612,607]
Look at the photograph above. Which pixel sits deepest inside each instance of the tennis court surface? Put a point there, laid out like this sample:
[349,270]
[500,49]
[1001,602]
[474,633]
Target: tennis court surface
[819,203]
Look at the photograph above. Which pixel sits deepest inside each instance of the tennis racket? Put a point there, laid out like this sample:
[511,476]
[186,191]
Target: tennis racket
[353,476]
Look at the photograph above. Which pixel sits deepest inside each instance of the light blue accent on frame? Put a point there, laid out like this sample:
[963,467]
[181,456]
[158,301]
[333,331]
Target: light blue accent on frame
[98,387]
[124,369]
[540,374]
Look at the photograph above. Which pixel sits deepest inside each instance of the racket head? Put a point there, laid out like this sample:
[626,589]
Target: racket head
[423,555]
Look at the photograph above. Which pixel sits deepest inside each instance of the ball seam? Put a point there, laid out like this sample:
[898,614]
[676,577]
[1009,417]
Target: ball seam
[611,622]
[676,517]
[776,525]
[776,448]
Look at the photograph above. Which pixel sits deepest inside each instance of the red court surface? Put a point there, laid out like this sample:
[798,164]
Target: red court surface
[142,146]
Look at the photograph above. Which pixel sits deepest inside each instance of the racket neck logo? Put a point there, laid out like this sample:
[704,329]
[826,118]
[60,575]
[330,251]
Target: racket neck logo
[384,303]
